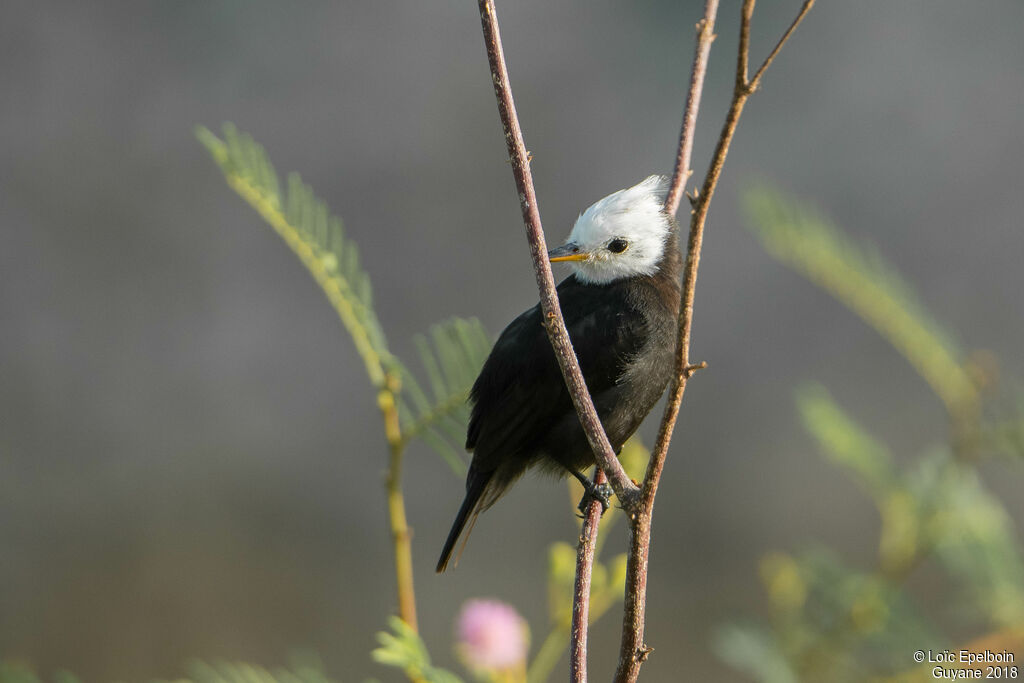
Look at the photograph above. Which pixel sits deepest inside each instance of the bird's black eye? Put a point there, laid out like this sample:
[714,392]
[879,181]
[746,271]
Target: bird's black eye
[617,245]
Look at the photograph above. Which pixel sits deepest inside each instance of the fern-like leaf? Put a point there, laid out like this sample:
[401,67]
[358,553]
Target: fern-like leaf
[316,236]
[403,649]
[452,354]
[241,672]
[861,280]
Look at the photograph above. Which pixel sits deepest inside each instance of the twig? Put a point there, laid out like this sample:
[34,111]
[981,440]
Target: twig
[625,490]
[581,594]
[756,80]
[682,171]
[633,651]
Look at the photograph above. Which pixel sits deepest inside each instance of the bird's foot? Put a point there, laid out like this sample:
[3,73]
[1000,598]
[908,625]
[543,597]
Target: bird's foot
[602,493]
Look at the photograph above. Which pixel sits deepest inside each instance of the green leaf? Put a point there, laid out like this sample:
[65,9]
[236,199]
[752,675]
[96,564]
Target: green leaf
[848,445]
[634,457]
[832,622]
[754,651]
[1003,431]
[300,670]
[18,672]
[610,589]
[403,648]
[860,279]
[306,225]
[844,442]
[451,354]
[305,671]
[561,582]
[973,536]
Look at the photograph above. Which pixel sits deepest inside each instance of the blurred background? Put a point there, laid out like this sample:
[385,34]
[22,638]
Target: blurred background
[191,456]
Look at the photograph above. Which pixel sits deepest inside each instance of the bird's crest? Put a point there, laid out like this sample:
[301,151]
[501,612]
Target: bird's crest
[624,234]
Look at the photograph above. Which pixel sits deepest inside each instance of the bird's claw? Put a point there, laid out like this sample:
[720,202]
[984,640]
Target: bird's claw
[602,493]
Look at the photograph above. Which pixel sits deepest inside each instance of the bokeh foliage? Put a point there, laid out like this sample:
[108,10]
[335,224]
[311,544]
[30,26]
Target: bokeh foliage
[303,669]
[828,620]
[859,278]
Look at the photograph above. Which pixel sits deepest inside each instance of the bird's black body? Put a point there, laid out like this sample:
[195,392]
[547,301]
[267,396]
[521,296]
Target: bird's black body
[624,335]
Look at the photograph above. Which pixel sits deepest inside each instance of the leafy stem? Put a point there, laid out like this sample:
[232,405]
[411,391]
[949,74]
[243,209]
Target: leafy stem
[456,354]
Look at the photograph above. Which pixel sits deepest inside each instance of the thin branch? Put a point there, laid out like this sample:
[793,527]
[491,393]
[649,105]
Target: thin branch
[680,174]
[632,650]
[625,489]
[756,80]
[701,50]
[581,594]
[743,61]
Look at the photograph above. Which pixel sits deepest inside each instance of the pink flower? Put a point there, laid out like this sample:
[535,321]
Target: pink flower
[492,636]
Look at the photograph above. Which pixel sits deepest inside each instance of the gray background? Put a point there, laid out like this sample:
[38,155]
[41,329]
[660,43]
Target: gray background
[190,454]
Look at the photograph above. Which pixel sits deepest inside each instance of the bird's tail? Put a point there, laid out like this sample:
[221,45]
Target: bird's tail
[471,507]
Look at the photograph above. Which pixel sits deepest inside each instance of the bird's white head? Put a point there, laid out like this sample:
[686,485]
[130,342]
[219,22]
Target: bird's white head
[620,236]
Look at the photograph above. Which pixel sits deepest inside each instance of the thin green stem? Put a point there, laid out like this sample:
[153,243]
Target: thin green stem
[547,657]
[400,536]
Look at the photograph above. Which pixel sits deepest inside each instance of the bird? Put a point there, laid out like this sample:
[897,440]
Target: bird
[621,306]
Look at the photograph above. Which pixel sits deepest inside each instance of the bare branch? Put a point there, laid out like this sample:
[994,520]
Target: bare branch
[756,80]
[581,594]
[638,502]
[701,50]
[680,175]
[633,651]
[625,489]
[742,63]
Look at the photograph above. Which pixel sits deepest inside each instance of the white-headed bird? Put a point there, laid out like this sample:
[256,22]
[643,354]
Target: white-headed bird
[621,307]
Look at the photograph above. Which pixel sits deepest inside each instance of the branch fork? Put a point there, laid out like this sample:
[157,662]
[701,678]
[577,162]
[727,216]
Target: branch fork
[637,501]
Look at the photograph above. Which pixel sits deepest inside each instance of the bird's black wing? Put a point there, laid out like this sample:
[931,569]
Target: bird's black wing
[520,392]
